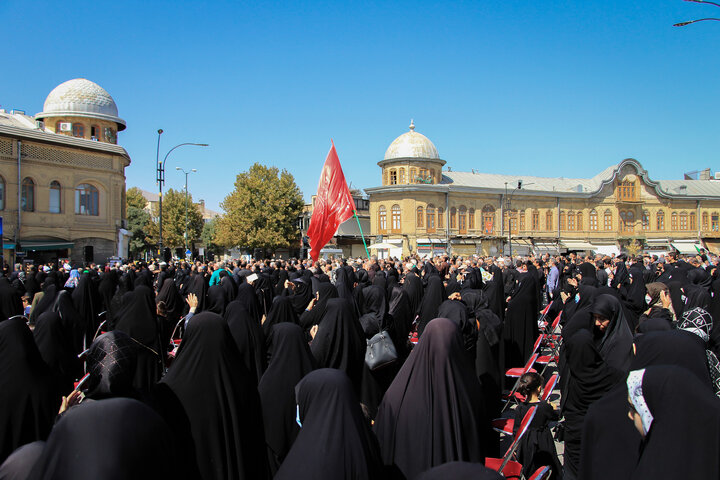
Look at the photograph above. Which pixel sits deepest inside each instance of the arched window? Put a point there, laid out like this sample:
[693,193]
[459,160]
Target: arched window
[705,221]
[579,225]
[535,220]
[395,218]
[27,195]
[385,178]
[549,220]
[645,220]
[393,177]
[608,220]
[511,221]
[571,221]
[627,221]
[413,175]
[462,219]
[95,133]
[401,179]
[563,222]
[693,221]
[521,219]
[2,193]
[430,213]
[453,218]
[683,220]
[382,219]
[715,219]
[441,218]
[78,130]
[420,217]
[593,220]
[87,200]
[471,219]
[673,221]
[488,219]
[660,220]
[54,206]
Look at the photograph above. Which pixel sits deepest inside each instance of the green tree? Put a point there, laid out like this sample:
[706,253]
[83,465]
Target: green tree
[262,211]
[138,222]
[207,236]
[174,219]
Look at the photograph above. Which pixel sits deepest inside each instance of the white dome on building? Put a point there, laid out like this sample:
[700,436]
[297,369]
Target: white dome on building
[81,98]
[412,145]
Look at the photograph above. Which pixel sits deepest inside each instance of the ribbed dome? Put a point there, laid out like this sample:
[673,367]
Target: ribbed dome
[81,98]
[412,145]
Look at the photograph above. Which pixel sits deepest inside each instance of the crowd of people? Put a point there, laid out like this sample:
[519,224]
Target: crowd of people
[359,368]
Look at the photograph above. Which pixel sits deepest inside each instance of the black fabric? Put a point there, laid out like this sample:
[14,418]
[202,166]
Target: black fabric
[228,284]
[248,337]
[216,300]
[111,439]
[432,298]
[607,433]
[615,344]
[10,302]
[86,300]
[521,329]
[589,274]
[197,284]
[334,441]
[29,394]
[301,295]
[434,411]
[290,361]
[219,400]
[111,363]
[590,379]
[125,285]
[537,447]
[138,319]
[106,289]
[374,310]
[247,298]
[21,462]
[458,312]
[71,319]
[684,437]
[174,306]
[281,311]
[413,287]
[496,293]
[339,342]
[55,345]
[460,471]
[400,311]
[325,292]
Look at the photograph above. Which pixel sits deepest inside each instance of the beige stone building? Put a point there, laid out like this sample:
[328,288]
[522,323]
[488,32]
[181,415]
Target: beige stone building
[422,208]
[62,178]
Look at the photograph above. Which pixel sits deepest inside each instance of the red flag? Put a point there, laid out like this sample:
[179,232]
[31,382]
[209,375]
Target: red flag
[333,204]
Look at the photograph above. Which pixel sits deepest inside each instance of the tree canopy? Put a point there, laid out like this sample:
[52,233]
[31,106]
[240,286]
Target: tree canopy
[174,219]
[138,222]
[262,211]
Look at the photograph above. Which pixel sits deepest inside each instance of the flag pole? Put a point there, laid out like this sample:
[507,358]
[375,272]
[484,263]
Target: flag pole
[361,234]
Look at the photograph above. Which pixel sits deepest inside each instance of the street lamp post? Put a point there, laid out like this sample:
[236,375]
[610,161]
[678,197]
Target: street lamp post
[682,24]
[161,179]
[508,206]
[186,201]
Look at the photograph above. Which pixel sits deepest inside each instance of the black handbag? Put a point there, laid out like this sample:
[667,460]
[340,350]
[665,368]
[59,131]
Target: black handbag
[380,351]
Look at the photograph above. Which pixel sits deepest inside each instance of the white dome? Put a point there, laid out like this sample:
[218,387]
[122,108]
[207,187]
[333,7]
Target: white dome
[412,145]
[81,98]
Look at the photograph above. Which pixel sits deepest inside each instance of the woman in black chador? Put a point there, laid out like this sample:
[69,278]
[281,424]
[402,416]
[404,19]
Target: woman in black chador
[521,330]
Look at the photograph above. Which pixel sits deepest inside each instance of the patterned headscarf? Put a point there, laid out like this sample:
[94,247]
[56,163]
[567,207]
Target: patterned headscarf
[635,392]
[700,322]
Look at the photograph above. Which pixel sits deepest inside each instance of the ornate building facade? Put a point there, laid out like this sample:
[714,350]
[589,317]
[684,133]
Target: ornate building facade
[62,177]
[422,208]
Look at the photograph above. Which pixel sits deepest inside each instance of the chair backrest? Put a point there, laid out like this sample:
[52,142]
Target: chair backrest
[545,310]
[524,425]
[555,322]
[541,473]
[538,342]
[549,387]
[531,362]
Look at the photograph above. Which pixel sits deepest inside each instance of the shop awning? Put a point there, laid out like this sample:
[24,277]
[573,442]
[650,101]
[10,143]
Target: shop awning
[547,247]
[657,242]
[428,241]
[713,245]
[687,248]
[37,245]
[577,245]
[606,249]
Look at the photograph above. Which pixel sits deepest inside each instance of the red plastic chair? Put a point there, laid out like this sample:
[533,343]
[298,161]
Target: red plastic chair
[542,473]
[174,343]
[549,387]
[517,373]
[506,466]
[542,321]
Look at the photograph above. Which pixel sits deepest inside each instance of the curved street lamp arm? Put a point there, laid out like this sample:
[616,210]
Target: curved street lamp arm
[682,24]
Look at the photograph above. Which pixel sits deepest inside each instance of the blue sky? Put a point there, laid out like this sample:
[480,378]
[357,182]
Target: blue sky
[550,88]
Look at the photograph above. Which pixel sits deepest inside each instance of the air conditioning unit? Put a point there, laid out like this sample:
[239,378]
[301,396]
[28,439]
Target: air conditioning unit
[39,124]
[66,127]
[717,175]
